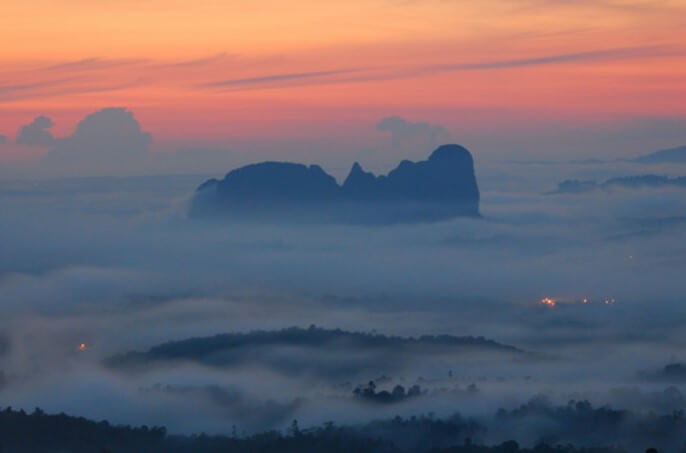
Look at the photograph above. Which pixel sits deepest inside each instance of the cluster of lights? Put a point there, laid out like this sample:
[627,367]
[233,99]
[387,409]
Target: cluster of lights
[551,302]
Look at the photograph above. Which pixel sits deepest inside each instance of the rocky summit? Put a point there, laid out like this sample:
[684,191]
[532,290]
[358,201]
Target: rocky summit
[442,187]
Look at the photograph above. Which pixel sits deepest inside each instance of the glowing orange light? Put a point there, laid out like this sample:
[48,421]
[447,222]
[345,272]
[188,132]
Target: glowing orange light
[549,302]
[82,346]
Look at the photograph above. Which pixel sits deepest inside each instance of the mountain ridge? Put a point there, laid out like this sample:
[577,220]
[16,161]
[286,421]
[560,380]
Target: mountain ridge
[440,187]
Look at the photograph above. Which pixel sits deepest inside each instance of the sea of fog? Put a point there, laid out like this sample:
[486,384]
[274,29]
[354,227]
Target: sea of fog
[114,263]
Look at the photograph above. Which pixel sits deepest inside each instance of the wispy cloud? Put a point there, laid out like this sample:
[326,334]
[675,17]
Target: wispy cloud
[640,7]
[94,63]
[359,75]
[12,89]
[198,61]
[283,77]
[589,56]
[91,75]
[60,88]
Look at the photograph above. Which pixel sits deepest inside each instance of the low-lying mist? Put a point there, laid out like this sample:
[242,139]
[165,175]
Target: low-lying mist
[94,268]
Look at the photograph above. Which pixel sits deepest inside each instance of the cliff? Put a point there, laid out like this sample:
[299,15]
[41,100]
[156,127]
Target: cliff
[441,187]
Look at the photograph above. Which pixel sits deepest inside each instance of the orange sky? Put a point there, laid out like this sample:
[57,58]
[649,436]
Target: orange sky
[212,70]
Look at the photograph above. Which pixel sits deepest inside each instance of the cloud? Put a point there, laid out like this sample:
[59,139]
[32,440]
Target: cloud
[361,75]
[3,139]
[107,140]
[10,89]
[419,136]
[28,90]
[61,87]
[96,75]
[98,63]
[218,58]
[278,78]
[646,7]
[36,133]
[594,55]
[94,64]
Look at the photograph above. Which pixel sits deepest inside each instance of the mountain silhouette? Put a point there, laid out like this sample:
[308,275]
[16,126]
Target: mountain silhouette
[441,187]
[671,155]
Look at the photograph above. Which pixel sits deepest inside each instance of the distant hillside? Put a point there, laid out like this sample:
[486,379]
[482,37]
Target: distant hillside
[441,187]
[671,155]
[634,182]
[237,348]
[674,372]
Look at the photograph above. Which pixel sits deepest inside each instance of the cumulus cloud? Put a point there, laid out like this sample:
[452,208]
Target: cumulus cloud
[108,140]
[409,136]
[36,133]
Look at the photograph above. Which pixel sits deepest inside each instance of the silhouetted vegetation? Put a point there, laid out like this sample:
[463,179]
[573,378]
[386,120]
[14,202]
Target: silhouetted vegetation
[398,394]
[619,431]
[633,182]
[38,432]
[511,447]
[234,348]
[579,423]
[670,372]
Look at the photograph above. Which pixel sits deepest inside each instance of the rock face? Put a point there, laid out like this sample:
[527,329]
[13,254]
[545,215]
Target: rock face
[441,187]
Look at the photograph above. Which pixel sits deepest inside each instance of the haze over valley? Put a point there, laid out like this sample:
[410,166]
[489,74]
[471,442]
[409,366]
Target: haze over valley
[388,227]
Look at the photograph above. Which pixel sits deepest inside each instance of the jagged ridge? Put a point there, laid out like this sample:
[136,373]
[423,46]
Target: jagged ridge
[443,186]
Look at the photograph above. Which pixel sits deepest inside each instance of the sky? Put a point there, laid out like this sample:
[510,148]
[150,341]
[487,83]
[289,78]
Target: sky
[310,80]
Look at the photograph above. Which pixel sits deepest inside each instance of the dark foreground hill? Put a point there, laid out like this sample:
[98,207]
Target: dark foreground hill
[551,428]
[442,187]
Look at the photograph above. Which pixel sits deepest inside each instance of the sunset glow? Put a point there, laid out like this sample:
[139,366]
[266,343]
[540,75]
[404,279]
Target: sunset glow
[224,70]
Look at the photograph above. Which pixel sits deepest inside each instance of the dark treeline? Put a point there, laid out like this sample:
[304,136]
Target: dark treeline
[579,422]
[38,432]
[674,372]
[629,182]
[369,393]
[206,349]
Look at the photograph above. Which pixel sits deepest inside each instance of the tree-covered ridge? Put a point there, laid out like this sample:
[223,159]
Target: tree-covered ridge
[202,348]
[41,433]
[626,182]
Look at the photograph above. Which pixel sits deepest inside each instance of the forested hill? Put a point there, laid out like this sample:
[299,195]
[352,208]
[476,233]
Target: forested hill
[236,347]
